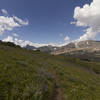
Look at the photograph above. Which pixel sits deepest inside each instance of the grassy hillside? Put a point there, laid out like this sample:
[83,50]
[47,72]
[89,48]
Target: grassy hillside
[33,75]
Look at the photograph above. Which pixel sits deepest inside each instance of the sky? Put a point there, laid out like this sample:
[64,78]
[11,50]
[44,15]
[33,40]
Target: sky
[49,22]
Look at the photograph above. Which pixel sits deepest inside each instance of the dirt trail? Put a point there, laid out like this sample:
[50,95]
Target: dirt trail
[58,91]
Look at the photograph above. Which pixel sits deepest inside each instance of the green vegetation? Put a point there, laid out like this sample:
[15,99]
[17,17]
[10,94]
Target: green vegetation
[33,75]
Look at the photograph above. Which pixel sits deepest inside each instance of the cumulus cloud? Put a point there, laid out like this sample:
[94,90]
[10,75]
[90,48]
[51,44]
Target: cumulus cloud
[67,39]
[4,11]
[8,39]
[9,23]
[23,43]
[20,21]
[88,16]
[15,35]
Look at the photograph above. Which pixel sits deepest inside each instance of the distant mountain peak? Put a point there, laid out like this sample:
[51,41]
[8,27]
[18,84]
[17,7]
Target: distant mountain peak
[88,45]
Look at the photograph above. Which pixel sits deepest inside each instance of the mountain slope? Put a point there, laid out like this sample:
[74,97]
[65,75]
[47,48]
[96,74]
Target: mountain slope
[84,50]
[89,46]
[33,75]
[30,47]
[47,49]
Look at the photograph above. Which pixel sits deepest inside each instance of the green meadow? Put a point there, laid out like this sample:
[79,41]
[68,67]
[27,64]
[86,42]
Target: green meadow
[34,75]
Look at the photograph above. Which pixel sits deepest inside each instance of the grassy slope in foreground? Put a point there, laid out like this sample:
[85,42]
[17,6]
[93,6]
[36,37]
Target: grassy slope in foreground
[33,75]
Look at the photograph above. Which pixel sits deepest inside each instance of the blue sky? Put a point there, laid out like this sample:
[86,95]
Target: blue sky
[49,20]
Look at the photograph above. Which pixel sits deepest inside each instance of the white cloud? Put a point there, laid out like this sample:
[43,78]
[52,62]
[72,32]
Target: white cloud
[8,39]
[66,39]
[88,16]
[20,21]
[15,35]
[23,43]
[4,11]
[9,23]
[27,42]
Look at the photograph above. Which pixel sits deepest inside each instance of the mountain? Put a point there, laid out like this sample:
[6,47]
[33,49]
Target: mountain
[30,47]
[87,50]
[83,49]
[88,45]
[35,75]
[47,49]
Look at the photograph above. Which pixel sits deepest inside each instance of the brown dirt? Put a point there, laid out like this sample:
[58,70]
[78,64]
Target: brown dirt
[58,92]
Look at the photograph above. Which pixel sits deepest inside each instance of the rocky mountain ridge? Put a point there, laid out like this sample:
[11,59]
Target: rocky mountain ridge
[82,47]
[88,46]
